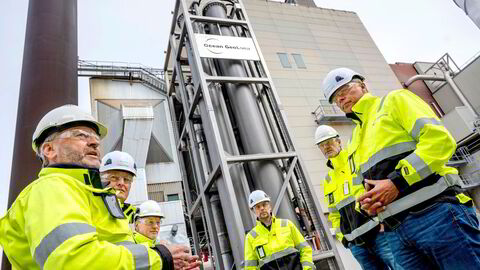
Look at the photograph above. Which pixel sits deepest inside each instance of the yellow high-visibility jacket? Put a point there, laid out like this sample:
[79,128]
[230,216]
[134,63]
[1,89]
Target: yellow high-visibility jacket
[128,211]
[340,195]
[263,246]
[399,137]
[140,238]
[57,222]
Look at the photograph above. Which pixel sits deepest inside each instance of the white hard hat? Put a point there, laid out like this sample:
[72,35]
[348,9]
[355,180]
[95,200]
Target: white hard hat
[256,197]
[118,160]
[324,133]
[149,209]
[338,78]
[63,117]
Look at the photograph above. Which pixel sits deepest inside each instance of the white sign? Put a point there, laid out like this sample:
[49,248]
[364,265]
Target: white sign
[225,47]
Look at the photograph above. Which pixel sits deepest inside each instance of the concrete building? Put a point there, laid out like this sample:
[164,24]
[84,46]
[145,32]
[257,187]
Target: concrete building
[138,119]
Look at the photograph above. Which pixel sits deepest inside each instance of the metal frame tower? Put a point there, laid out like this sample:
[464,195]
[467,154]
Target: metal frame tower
[232,137]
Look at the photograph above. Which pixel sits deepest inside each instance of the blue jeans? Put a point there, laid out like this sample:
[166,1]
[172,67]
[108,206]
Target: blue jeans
[442,236]
[375,257]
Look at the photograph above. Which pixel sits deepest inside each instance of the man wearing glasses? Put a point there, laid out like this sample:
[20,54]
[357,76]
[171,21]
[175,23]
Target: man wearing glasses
[399,150]
[118,170]
[66,219]
[147,222]
[362,235]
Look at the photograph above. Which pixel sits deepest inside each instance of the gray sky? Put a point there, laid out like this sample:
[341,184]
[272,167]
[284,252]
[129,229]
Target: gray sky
[137,31]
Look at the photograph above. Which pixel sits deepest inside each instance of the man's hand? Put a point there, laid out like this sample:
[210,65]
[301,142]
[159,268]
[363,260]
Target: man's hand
[379,194]
[182,259]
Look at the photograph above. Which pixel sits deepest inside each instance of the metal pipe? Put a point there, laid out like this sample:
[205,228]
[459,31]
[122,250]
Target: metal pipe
[49,80]
[253,131]
[220,223]
[424,77]
[458,92]
[222,236]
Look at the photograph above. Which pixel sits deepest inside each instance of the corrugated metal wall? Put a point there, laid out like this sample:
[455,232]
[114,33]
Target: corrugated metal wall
[160,192]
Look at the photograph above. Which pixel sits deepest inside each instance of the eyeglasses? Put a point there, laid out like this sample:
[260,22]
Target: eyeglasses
[151,222]
[78,134]
[330,142]
[344,90]
[115,178]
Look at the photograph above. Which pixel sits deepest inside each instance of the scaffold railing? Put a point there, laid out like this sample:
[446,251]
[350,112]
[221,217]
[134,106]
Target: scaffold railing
[123,70]
[471,180]
[445,63]
[326,112]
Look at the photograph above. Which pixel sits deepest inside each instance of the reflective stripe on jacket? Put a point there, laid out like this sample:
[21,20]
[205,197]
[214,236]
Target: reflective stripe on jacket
[263,246]
[57,222]
[340,193]
[399,137]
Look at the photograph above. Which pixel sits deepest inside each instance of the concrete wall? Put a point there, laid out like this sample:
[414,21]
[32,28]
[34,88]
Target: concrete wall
[468,81]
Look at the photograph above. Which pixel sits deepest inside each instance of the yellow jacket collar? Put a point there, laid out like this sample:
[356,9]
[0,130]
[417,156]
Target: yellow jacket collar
[363,106]
[338,161]
[261,224]
[140,238]
[84,175]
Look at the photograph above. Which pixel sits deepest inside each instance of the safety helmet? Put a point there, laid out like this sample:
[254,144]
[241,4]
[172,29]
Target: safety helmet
[149,209]
[61,117]
[118,160]
[256,197]
[338,78]
[324,133]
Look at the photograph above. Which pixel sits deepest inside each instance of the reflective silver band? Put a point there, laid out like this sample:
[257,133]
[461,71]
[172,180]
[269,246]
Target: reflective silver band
[125,243]
[420,123]
[419,196]
[284,223]
[57,236]
[250,263]
[420,166]
[302,245]
[361,230]
[306,264]
[345,202]
[328,178]
[331,210]
[140,254]
[381,103]
[278,255]
[387,152]
[358,179]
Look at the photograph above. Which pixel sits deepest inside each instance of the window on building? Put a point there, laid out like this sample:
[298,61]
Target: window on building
[156,196]
[156,192]
[173,197]
[298,58]
[284,60]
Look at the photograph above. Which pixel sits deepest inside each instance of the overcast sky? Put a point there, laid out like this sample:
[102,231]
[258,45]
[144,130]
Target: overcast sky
[137,31]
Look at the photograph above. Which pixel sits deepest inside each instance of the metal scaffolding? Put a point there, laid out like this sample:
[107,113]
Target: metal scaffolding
[232,137]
